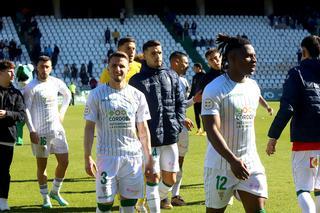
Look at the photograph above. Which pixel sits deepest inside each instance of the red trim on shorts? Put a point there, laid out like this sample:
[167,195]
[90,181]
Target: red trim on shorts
[305,146]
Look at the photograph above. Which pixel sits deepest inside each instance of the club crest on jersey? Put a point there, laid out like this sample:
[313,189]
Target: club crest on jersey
[314,162]
[208,103]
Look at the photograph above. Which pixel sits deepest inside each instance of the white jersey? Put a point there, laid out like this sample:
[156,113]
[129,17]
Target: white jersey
[185,87]
[236,103]
[116,113]
[41,99]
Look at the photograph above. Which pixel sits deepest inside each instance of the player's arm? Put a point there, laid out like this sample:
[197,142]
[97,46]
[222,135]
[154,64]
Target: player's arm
[289,100]
[180,107]
[28,98]
[144,137]
[90,165]
[265,105]
[212,127]
[63,89]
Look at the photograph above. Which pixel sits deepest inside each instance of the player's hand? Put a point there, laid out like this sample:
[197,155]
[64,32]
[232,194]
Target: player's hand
[188,124]
[271,147]
[197,97]
[2,113]
[148,170]
[239,169]
[90,166]
[270,110]
[34,137]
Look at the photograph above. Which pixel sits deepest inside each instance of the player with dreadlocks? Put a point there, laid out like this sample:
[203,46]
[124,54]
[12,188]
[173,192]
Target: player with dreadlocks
[229,105]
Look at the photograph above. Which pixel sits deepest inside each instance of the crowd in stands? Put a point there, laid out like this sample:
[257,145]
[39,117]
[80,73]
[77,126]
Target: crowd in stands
[10,50]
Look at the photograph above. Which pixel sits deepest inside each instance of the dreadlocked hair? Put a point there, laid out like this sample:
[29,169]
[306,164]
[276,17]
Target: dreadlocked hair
[228,43]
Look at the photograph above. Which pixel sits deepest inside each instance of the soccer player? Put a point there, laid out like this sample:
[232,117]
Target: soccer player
[44,122]
[167,108]
[127,45]
[195,87]
[229,106]
[300,102]
[118,110]
[180,64]
[11,111]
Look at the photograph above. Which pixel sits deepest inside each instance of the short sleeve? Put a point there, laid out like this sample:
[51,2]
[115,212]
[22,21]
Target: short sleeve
[210,102]
[143,113]
[91,108]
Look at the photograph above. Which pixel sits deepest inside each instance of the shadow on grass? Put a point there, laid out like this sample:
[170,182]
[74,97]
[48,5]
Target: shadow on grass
[193,186]
[67,180]
[79,192]
[37,208]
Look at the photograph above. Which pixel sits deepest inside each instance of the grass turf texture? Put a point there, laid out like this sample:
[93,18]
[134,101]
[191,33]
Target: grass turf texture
[79,189]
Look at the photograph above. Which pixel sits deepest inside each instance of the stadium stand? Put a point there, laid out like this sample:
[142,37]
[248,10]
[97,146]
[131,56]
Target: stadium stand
[9,32]
[275,48]
[81,40]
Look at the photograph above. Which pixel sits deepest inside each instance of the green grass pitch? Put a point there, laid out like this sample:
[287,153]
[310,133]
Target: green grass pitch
[79,189]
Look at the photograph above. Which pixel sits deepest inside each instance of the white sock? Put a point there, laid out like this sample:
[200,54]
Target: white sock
[164,190]
[44,191]
[177,185]
[306,202]
[317,202]
[57,182]
[153,198]
[127,209]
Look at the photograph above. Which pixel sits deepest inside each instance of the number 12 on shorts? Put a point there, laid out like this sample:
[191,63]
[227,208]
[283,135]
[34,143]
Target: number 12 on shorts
[221,182]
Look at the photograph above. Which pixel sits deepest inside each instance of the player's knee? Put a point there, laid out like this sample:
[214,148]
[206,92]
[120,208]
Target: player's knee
[104,207]
[128,202]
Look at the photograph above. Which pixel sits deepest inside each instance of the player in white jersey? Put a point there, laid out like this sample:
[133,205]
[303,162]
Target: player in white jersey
[44,121]
[180,64]
[119,111]
[229,106]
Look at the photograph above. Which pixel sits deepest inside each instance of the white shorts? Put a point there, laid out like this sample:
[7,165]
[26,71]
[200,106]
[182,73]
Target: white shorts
[219,186]
[305,170]
[166,158]
[183,143]
[50,144]
[122,175]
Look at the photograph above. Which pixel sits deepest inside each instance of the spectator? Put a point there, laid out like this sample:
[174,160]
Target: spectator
[122,15]
[186,28]
[74,72]
[66,72]
[1,24]
[107,35]
[55,56]
[116,36]
[90,68]
[194,27]
[72,88]
[18,53]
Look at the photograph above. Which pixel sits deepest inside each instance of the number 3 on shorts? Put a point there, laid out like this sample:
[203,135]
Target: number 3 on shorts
[221,181]
[104,178]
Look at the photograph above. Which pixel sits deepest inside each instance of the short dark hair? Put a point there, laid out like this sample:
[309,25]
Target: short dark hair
[210,51]
[43,58]
[124,40]
[177,54]
[150,43]
[312,44]
[198,65]
[118,54]
[6,64]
